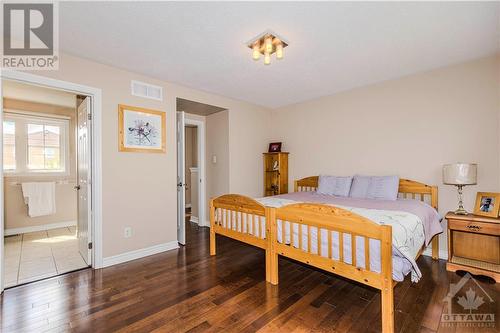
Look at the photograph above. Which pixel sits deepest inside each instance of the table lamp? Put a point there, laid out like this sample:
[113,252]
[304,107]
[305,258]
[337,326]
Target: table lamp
[460,174]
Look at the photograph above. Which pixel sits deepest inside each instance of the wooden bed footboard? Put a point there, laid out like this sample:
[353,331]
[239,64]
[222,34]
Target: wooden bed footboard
[241,218]
[298,223]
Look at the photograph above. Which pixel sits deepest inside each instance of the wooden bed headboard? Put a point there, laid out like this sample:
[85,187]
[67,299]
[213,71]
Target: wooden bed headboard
[407,189]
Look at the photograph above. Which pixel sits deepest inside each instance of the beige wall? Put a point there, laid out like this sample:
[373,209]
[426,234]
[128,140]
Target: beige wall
[249,136]
[16,215]
[409,127]
[217,144]
[127,176]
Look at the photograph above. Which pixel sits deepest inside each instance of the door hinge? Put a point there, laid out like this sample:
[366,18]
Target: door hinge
[89,116]
[90,246]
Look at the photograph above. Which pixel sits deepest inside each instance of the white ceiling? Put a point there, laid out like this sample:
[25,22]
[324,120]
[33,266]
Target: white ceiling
[334,46]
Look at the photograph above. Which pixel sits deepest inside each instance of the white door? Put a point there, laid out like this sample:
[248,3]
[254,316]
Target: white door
[181,180]
[83,183]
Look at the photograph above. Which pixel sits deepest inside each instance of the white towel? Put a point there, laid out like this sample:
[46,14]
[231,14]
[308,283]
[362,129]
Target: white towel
[40,198]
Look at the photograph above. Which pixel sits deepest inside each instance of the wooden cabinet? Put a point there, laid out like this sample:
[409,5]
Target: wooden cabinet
[275,173]
[474,244]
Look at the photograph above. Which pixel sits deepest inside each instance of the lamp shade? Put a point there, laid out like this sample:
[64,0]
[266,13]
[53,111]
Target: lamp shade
[460,174]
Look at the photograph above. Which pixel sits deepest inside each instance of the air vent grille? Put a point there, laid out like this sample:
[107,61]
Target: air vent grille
[147,90]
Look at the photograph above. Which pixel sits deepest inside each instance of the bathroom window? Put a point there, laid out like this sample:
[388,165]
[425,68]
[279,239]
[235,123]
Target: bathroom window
[34,145]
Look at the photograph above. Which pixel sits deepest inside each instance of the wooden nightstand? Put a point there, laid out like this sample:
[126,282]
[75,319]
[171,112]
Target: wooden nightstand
[474,244]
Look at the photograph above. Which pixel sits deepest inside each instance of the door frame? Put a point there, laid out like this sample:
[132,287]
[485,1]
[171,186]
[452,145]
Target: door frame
[96,165]
[201,144]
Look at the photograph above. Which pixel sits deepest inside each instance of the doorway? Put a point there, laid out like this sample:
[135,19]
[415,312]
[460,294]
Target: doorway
[192,205]
[47,167]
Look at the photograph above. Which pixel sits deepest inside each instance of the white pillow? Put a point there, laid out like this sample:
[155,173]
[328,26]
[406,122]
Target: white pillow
[375,187]
[333,185]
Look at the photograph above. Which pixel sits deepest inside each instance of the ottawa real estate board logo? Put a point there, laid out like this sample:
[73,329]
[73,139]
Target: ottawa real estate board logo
[469,306]
[30,36]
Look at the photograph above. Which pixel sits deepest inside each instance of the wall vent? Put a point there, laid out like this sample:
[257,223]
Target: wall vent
[147,90]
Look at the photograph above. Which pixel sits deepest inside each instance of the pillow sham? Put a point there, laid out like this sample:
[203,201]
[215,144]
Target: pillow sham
[375,187]
[333,185]
[359,187]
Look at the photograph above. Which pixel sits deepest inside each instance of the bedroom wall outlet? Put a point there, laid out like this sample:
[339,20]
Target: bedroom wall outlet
[127,233]
[214,159]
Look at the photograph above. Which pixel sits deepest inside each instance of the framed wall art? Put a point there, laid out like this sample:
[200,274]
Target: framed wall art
[141,130]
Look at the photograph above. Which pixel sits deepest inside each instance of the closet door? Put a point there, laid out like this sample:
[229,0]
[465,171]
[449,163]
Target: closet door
[181,180]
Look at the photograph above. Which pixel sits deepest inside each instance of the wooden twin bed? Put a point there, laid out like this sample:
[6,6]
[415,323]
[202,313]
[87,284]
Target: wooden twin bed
[244,219]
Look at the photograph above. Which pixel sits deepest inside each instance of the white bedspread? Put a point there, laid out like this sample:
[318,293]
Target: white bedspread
[407,238]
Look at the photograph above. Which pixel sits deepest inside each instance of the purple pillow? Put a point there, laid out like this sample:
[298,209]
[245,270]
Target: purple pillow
[375,187]
[359,187]
[333,185]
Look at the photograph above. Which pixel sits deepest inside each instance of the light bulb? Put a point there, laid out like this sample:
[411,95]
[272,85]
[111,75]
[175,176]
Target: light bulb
[267,58]
[255,51]
[279,51]
[269,44]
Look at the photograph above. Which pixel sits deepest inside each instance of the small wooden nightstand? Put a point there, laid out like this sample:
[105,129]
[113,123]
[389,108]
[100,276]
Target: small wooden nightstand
[474,244]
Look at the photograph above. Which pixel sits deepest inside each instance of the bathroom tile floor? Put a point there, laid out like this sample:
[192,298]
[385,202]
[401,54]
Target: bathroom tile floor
[38,255]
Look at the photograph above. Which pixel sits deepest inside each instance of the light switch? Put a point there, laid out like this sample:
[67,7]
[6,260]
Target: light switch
[214,159]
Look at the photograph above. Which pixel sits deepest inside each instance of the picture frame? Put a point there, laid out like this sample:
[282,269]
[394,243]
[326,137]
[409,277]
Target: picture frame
[487,204]
[141,130]
[275,147]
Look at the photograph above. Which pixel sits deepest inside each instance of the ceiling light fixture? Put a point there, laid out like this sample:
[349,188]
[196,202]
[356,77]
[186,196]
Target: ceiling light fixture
[266,44]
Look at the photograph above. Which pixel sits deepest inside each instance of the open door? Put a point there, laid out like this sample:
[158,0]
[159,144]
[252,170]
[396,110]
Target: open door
[83,180]
[181,180]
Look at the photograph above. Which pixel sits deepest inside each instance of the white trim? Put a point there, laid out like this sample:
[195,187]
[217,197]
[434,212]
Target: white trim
[141,253]
[36,114]
[194,219]
[202,189]
[188,205]
[23,230]
[96,98]
[1,190]
[193,169]
[443,254]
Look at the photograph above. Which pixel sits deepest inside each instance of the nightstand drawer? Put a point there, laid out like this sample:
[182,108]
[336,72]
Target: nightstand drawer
[475,227]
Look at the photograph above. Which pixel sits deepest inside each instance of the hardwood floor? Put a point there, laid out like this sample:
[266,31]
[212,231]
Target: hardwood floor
[186,290]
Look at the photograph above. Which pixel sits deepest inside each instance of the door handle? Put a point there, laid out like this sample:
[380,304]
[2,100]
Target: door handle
[181,184]
[77,187]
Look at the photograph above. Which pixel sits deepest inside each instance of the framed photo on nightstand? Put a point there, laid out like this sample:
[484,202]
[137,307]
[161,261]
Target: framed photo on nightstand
[487,204]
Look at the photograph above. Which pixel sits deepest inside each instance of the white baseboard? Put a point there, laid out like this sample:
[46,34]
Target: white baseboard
[194,219]
[23,230]
[443,254]
[141,253]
